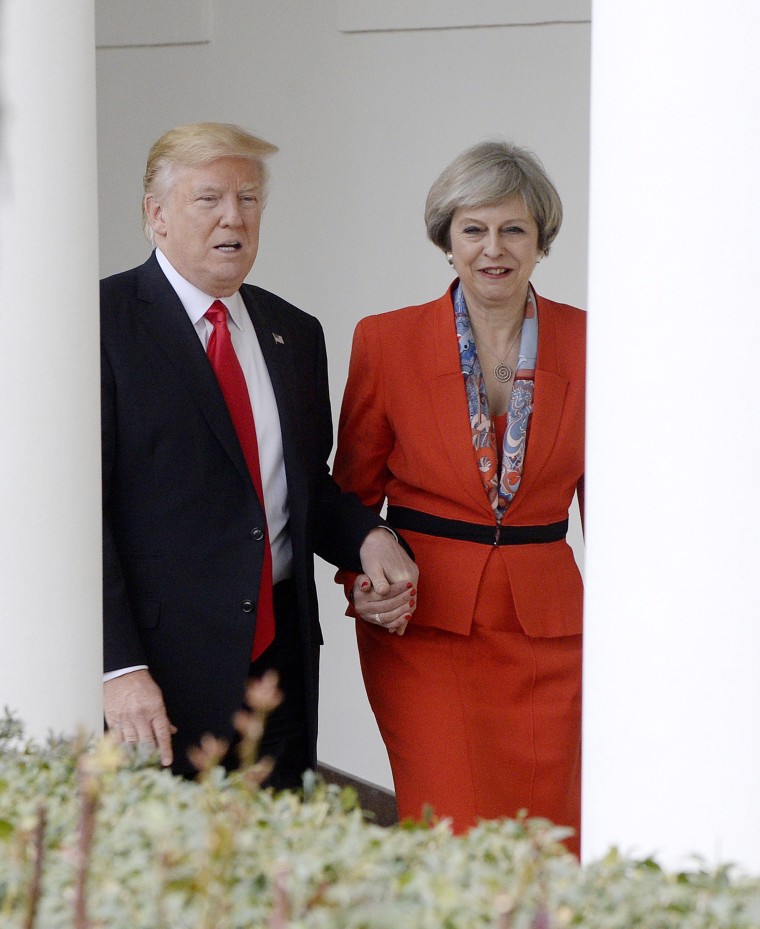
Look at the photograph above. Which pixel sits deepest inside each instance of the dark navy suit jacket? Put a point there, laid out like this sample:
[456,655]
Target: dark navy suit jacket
[182,559]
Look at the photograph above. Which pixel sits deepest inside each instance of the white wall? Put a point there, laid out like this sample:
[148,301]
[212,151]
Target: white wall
[365,121]
[671,687]
[50,529]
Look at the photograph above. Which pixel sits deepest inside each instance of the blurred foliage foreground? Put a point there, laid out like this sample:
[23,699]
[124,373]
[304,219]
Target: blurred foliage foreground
[92,837]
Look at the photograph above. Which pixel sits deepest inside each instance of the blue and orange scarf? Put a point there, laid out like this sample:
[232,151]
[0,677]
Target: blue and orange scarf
[500,486]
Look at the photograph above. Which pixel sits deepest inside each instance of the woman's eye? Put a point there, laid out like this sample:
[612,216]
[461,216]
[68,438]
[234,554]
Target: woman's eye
[471,230]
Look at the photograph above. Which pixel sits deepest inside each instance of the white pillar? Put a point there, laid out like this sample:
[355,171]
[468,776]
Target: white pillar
[672,685]
[50,591]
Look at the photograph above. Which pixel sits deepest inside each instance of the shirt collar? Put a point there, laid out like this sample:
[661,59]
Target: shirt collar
[194,300]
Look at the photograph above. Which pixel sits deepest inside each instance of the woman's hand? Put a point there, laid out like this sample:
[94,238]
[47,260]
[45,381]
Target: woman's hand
[392,610]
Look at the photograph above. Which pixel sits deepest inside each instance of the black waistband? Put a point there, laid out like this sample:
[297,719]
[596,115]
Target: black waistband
[401,517]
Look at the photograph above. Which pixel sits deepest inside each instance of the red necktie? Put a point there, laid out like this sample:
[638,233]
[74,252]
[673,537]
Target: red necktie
[224,361]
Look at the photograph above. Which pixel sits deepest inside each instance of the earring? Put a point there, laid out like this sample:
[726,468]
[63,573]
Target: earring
[450,258]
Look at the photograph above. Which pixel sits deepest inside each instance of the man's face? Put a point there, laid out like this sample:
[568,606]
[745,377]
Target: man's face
[208,223]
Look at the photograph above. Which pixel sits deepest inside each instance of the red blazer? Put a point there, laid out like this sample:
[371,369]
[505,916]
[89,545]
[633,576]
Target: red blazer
[404,436]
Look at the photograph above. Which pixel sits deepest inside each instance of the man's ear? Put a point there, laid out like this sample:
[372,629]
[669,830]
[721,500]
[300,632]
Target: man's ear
[155,212]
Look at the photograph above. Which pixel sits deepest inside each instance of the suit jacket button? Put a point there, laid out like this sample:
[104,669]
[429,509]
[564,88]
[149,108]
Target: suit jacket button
[257,534]
[247,606]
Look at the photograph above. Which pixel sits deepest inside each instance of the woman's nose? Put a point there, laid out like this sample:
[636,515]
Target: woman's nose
[493,244]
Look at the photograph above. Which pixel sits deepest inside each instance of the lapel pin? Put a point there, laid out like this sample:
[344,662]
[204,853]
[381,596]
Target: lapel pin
[278,338]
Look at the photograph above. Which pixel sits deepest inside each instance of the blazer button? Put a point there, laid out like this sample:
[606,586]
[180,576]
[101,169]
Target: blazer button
[247,606]
[257,534]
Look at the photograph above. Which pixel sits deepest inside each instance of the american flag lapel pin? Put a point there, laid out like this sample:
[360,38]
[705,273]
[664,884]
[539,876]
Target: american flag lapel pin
[278,338]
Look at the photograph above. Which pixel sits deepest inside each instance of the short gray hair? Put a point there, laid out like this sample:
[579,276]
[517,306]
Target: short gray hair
[199,144]
[489,173]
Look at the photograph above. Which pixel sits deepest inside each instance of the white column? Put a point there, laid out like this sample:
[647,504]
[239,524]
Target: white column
[672,683]
[50,592]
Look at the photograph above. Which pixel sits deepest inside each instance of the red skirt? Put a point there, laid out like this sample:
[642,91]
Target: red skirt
[479,726]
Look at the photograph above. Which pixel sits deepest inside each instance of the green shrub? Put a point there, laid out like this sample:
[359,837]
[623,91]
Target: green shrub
[91,839]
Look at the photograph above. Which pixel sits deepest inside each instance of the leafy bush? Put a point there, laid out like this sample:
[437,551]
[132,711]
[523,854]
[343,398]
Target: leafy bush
[93,839]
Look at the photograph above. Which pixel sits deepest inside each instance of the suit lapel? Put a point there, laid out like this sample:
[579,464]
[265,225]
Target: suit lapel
[278,344]
[165,318]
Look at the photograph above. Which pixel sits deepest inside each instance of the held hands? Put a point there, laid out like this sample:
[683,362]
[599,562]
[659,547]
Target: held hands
[386,594]
[135,712]
[393,611]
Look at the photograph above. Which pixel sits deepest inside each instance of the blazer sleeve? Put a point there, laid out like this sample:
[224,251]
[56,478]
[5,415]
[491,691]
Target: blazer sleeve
[341,521]
[365,434]
[365,437]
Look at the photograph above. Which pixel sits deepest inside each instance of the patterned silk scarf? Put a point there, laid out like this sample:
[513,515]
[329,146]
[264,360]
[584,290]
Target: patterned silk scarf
[500,488]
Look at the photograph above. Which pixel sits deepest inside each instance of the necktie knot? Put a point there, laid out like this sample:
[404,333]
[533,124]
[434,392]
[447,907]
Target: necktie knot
[216,314]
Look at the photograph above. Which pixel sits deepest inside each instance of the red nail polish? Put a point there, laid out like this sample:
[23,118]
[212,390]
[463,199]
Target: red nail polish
[365,585]
[409,584]
[408,617]
[411,602]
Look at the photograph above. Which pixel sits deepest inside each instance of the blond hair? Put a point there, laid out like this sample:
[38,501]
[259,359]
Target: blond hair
[199,144]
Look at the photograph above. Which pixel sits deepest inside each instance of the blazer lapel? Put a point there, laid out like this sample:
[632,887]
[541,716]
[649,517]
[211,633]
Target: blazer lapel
[548,403]
[165,318]
[449,402]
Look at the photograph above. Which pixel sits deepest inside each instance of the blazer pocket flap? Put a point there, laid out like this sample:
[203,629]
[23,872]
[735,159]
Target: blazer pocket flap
[547,589]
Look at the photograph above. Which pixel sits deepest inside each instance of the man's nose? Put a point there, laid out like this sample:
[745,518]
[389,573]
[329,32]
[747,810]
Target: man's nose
[231,215]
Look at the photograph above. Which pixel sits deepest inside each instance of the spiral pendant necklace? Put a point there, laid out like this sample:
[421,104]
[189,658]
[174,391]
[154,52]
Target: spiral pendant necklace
[501,370]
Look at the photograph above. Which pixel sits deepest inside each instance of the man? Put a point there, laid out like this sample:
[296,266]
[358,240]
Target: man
[211,522]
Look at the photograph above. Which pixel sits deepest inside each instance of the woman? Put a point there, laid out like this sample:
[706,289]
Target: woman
[467,415]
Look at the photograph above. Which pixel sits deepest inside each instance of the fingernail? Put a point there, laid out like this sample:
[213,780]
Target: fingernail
[411,602]
[408,617]
[409,584]
[365,585]
[413,593]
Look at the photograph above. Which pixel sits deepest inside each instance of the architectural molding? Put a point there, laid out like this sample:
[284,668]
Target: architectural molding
[146,22]
[393,15]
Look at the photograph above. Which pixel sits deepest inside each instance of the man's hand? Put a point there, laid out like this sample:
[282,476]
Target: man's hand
[386,594]
[135,712]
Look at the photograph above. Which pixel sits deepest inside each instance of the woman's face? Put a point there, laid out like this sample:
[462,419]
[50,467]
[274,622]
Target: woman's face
[495,249]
